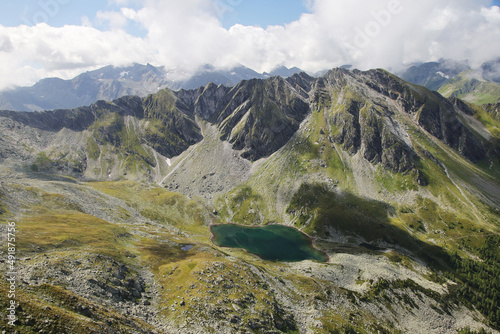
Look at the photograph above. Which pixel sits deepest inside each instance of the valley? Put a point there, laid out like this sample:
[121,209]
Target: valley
[396,184]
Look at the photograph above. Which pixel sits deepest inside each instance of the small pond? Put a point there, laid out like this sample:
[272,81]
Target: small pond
[270,242]
[187,247]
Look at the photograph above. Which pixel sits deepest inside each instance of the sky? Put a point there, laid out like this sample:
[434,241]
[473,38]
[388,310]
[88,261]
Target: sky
[62,38]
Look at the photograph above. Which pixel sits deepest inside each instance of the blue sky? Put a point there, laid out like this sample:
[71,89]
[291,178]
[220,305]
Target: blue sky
[264,12]
[53,12]
[57,13]
[70,12]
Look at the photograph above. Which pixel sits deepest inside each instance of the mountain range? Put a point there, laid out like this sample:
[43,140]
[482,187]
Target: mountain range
[397,184]
[450,78]
[109,83]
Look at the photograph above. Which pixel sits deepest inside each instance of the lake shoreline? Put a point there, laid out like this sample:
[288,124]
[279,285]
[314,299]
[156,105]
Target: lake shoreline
[310,239]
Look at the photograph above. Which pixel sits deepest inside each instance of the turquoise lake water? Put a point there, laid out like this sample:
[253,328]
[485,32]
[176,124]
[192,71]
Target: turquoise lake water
[270,242]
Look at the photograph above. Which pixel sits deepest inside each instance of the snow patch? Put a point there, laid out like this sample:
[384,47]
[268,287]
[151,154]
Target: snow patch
[443,75]
[123,74]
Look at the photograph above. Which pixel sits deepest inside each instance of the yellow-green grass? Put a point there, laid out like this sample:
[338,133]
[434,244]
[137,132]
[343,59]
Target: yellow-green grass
[158,204]
[199,280]
[353,322]
[488,120]
[71,230]
[473,91]
[246,205]
[161,250]
[445,180]
[254,202]
[4,212]
[325,150]
[395,182]
[429,222]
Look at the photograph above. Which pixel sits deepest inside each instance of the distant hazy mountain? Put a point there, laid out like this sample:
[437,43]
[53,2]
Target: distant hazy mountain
[434,74]
[458,79]
[208,73]
[283,71]
[109,83]
[491,70]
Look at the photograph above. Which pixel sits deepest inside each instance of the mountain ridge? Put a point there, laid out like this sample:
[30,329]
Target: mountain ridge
[282,105]
[110,82]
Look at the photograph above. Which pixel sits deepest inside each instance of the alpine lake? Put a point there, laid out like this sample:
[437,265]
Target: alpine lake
[269,242]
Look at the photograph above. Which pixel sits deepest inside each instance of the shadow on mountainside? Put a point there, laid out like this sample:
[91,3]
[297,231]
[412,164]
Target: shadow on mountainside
[319,209]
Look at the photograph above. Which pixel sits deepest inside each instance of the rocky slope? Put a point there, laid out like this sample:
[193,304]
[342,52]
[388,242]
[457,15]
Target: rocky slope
[113,203]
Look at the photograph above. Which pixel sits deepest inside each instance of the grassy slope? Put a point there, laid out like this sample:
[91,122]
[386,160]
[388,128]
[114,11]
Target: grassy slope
[477,91]
[55,227]
[125,141]
[52,224]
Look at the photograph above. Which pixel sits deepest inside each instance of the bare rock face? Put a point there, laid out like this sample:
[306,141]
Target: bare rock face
[493,109]
[441,120]
[368,133]
[362,121]
[268,114]
[434,113]
[209,101]
[364,110]
[171,127]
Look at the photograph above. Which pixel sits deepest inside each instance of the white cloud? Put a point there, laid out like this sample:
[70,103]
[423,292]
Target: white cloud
[114,20]
[189,33]
[40,51]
